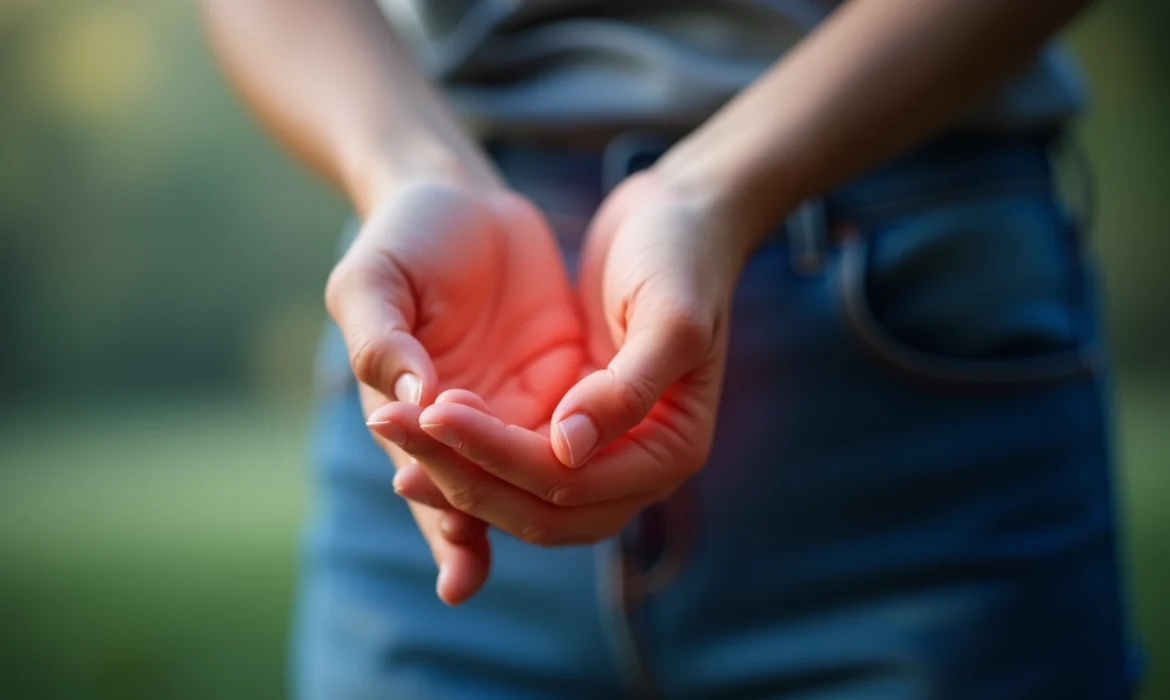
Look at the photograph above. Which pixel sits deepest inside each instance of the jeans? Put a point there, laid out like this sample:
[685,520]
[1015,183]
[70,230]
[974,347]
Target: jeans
[909,495]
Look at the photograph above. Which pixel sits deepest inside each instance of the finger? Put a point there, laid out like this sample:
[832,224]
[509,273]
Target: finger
[463,566]
[464,571]
[459,527]
[413,484]
[609,402]
[600,341]
[519,513]
[465,397]
[525,459]
[410,482]
[374,313]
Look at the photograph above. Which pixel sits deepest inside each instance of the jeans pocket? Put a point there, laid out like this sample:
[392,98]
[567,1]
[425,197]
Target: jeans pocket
[983,287]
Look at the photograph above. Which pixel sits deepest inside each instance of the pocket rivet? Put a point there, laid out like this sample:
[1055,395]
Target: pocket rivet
[807,233]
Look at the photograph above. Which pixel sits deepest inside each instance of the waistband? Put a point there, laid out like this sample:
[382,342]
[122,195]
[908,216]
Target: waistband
[576,179]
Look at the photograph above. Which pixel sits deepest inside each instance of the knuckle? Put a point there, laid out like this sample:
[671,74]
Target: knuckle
[333,291]
[535,533]
[337,287]
[561,495]
[688,329]
[368,358]
[421,451]
[546,530]
[637,396]
[465,498]
[487,462]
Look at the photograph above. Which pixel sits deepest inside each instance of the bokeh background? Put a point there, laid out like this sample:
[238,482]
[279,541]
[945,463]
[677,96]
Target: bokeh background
[161,268]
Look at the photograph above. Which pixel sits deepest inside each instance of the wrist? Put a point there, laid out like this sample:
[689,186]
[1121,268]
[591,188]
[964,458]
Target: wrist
[743,206]
[370,174]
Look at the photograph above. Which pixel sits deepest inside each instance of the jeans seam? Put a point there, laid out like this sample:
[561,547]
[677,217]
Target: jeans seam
[615,602]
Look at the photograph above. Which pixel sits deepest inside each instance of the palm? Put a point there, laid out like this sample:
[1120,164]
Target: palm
[656,282]
[456,288]
[492,305]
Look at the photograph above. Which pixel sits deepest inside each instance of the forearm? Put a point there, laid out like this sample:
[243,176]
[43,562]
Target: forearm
[330,79]
[877,77]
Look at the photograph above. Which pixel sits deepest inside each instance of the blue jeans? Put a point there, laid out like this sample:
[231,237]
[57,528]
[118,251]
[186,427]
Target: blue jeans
[909,495]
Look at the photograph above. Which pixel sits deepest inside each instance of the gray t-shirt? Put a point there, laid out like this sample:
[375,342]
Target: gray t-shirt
[514,66]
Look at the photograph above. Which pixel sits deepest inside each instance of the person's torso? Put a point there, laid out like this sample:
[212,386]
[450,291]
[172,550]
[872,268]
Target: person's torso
[513,66]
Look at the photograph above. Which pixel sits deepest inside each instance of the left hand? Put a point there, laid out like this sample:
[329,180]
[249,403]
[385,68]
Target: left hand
[657,279]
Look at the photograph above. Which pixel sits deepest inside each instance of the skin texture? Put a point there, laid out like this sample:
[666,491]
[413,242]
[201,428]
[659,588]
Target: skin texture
[455,281]
[497,318]
[656,283]
[332,83]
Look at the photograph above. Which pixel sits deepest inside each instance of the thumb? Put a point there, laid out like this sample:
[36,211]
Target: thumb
[373,311]
[660,347]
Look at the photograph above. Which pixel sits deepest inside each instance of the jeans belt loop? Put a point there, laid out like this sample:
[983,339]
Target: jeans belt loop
[629,152]
[807,229]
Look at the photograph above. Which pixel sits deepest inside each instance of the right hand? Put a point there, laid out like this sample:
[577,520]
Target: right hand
[448,286]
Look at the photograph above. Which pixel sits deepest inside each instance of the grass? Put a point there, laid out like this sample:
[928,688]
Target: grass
[148,551]
[1144,436]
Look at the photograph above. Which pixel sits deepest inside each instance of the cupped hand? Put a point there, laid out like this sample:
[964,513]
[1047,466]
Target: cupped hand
[447,286]
[657,278]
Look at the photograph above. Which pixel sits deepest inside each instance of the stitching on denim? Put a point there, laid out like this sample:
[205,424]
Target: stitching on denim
[614,601]
[865,326]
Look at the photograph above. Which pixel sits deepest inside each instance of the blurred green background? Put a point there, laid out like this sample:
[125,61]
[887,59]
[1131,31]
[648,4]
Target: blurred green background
[161,268]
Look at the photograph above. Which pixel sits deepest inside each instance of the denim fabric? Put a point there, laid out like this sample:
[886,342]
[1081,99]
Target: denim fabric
[909,495]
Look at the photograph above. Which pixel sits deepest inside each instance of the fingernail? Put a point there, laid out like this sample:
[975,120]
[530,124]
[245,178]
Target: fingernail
[444,434]
[408,388]
[580,436]
[440,582]
[446,525]
[387,428]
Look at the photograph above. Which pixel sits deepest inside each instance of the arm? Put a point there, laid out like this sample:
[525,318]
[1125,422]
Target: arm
[330,79]
[877,77]
[663,255]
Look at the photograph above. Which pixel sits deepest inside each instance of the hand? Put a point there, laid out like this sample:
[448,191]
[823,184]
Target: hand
[447,286]
[658,274]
